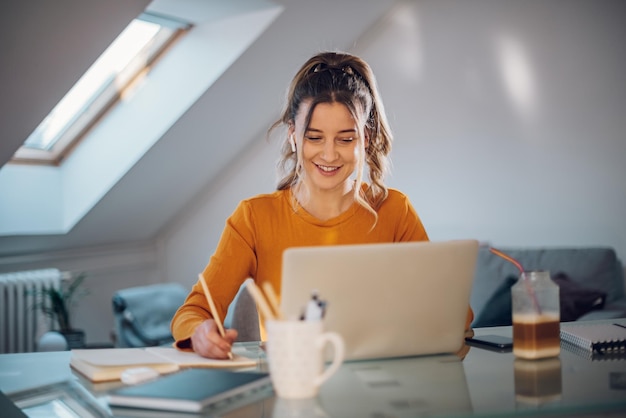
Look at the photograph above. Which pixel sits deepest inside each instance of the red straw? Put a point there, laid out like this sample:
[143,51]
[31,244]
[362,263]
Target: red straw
[521,270]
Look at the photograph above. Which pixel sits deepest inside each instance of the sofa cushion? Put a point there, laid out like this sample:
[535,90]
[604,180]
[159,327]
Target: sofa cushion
[575,300]
[497,310]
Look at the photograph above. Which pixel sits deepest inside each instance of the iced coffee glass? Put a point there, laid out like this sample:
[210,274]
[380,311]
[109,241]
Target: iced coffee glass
[536,316]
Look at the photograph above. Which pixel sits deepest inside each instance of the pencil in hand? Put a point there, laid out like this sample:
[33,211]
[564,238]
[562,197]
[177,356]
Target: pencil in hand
[213,309]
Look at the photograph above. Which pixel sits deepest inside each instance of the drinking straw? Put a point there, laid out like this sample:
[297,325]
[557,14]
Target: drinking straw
[507,258]
[521,270]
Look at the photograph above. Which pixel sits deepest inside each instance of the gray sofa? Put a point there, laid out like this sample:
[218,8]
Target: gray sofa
[588,273]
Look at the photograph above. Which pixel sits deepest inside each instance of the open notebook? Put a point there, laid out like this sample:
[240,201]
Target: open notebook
[386,300]
[108,364]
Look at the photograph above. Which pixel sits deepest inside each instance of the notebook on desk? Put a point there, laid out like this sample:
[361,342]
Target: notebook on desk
[386,300]
[190,390]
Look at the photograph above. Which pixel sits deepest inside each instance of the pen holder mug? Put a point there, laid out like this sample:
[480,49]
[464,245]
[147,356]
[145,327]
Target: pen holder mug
[295,355]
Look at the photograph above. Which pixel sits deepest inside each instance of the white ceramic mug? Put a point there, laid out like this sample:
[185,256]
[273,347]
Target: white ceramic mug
[295,354]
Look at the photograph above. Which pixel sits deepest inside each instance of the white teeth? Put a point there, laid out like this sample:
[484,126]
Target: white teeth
[327,169]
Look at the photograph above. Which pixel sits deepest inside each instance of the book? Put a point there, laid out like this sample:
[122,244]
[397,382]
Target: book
[108,364]
[190,390]
[600,338]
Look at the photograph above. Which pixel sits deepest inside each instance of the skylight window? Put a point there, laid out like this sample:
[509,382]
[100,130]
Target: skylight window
[114,74]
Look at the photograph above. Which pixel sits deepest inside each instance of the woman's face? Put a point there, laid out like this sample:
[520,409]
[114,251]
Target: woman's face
[330,146]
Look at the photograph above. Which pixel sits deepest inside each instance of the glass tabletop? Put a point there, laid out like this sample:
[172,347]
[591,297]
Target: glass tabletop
[483,383]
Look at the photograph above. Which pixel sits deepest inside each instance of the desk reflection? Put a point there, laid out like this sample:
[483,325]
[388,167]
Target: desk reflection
[537,382]
[298,408]
[399,388]
[405,387]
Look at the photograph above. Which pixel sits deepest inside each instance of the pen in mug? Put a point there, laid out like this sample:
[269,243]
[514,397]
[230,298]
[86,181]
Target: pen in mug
[315,308]
[213,309]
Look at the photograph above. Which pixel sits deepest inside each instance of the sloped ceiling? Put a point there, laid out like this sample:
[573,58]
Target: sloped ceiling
[45,47]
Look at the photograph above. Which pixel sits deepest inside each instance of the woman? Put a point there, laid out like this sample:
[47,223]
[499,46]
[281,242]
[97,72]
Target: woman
[336,125]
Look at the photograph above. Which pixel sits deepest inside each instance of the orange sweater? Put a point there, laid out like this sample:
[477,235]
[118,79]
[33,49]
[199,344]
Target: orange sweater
[262,227]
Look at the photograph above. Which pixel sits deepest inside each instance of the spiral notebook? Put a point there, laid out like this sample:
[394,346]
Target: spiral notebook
[602,338]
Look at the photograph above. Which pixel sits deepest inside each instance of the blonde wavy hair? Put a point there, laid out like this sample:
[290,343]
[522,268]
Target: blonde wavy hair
[333,77]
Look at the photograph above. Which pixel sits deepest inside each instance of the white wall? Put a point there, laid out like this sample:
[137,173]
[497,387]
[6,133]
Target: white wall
[189,243]
[509,118]
[531,154]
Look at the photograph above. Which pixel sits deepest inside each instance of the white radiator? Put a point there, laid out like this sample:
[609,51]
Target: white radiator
[21,323]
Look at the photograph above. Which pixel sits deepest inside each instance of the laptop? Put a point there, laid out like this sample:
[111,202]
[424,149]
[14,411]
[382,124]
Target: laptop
[385,299]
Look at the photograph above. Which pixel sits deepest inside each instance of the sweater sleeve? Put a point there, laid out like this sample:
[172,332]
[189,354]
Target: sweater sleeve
[233,261]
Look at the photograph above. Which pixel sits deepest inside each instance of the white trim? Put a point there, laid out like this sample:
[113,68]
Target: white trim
[94,260]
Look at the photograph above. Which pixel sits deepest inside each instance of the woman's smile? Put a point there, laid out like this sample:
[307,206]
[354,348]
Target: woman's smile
[327,170]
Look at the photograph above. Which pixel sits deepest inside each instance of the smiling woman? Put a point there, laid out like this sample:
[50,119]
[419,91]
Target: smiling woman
[336,126]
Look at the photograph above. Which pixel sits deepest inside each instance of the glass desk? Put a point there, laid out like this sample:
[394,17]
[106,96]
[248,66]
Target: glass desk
[482,384]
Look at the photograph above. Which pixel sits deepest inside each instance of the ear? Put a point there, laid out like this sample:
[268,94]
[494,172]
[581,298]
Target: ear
[366,143]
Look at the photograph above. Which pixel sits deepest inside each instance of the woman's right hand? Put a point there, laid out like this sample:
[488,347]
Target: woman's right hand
[207,341]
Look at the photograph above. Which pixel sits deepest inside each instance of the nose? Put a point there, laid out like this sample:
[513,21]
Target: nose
[329,151]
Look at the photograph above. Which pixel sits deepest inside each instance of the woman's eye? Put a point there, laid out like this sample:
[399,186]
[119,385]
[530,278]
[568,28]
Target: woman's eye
[313,138]
[346,140]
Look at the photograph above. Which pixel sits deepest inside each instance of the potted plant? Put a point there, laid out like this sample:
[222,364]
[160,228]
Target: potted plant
[57,304]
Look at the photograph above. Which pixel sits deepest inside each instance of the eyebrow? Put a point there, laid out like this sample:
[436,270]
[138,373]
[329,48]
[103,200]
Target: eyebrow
[344,131]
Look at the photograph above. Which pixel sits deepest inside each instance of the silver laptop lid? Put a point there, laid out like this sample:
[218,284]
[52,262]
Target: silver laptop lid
[385,300]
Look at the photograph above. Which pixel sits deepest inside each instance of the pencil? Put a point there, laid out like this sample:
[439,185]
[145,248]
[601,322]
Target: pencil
[213,309]
[260,300]
[272,299]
